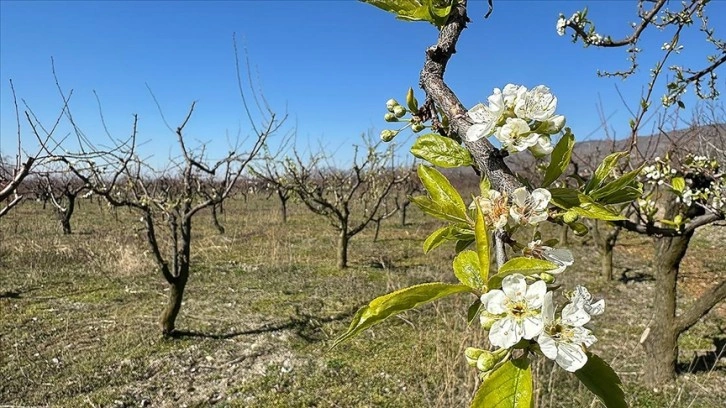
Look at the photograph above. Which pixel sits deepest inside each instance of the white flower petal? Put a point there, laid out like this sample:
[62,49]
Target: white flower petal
[571,357]
[514,286]
[574,315]
[540,199]
[548,309]
[495,302]
[479,131]
[535,294]
[505,333]
[547,345]
[532,327]
[597,308]
[520,196]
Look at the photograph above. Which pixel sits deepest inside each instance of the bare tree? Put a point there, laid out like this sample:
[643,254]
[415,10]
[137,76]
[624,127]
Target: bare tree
[62,188]
[13,174]
[349,198]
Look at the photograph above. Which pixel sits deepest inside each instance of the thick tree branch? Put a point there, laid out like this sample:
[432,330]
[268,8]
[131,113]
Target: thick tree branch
[488,159]
[700,307]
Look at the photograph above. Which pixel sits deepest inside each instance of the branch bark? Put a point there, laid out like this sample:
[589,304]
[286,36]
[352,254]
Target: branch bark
[489,160]
[700,307]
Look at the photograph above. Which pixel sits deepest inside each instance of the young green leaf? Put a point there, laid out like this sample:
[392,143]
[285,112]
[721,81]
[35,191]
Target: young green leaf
[466,269]
[602,381]
[433,209]
[437,238]
[415,10]
[441,151]
[678,184]
[509,386]
[603,170]
[396,302]
[482,244]
[442,192]
[525,266]
[628,179]
[560,159]
[473,311]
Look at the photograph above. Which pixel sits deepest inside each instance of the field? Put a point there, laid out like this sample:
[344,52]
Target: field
[78,317]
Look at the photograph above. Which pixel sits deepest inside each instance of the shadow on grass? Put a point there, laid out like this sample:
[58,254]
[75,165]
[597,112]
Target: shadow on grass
[305,327]
[706,362]
[629,276]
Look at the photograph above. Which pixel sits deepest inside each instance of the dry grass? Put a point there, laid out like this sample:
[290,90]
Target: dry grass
[78,318]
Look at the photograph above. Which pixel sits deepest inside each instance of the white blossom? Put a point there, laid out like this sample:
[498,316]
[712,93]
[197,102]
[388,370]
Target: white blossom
[537,104]
[582,298]
[562,339]
[515,135]
[559,256]
[543,147]
[561,24]
[529,208]
[495,208]
[484,120]
[512,94]
[516,308]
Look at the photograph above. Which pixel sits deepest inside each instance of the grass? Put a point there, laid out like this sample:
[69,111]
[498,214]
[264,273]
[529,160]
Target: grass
[78,317]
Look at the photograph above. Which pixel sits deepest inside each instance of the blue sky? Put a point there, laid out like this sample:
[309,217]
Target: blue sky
[330,64]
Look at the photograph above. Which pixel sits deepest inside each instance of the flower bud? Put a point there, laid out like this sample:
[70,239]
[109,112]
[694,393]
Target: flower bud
[546,277]
[411,101]
[391,104]
[390,117]
[486,361]
[472,355]
[417,127]
[486,320]
[388,135]
[399,111]
[570,216]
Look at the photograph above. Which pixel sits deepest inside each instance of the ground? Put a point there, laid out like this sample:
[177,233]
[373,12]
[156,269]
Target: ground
[78,317]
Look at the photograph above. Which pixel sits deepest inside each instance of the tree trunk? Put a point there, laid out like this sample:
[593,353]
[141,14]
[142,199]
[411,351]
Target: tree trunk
[343,240]
[215,220]
[378,229]
[606,262]
[176,294]
[661,345]
[67,214]
[283,207]
[404,208]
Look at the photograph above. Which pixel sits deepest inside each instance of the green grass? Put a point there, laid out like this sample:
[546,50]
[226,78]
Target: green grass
[78,323]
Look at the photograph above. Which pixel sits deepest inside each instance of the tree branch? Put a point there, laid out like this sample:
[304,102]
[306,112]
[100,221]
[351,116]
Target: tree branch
[700,307]
[487,158]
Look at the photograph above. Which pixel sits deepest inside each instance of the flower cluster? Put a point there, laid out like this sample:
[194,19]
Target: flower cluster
[520,119]
[525,208]
[702,182]
[521,311]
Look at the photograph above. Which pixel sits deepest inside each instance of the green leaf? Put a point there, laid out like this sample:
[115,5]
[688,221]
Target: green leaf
[441,151]
[484,185]
[466,269]
[433,209]
[560,159]
[678,184]
[603,170]
[437,238]
[462,244]
[582,205]
[482,244]
[628,179]
[396,302]
[602,381]
[442,192]
[415,10]
[473,311]
[525,266]
[509,386]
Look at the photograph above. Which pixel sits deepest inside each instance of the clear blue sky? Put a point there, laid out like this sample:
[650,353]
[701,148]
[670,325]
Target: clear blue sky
[330,64]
